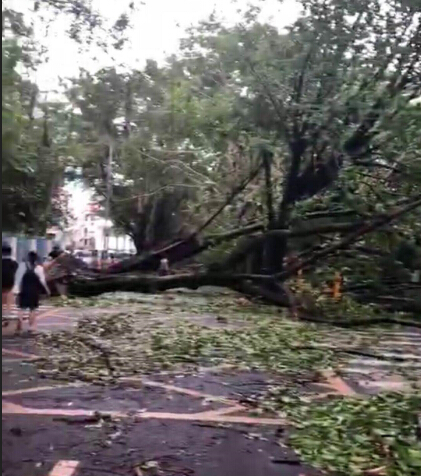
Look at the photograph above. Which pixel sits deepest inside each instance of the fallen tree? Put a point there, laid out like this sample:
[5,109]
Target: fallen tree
[190,247]
[268,287]
[181,250]
[337,112]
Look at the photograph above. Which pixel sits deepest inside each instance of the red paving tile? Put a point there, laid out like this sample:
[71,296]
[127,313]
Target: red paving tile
[217,416]
[337,384]
[64,468]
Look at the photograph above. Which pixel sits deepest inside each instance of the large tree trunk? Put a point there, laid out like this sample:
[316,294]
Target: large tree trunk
[89,286]
[180,250]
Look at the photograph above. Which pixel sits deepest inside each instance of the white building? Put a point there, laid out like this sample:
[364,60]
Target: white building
[89,232]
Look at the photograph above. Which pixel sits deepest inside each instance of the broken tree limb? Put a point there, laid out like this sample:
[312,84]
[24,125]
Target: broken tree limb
[362,228]
[88,286]
[247,247]
[252,284]
[330,214]
[350,239]
[229,199]
[190,247]
[181,250]
[238,255]
[187,247]
[216,239]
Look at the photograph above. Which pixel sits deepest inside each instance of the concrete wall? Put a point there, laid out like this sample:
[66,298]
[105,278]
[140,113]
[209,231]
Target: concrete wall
[21,245]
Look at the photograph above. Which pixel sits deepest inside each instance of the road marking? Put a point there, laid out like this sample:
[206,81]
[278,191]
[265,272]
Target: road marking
[398,342]
[358,370]
[57,324]
[389,384]
[50,312]
[388,354]
[10,393]
[212,418]
[9,408]
[182,390]
[17,353]
[336,383]
[64,468]
[223,411]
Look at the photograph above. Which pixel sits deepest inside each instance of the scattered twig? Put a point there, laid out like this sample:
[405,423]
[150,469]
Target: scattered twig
[99,470]
[353,352]
[292,462]
[376,471]
[78,420]
[361,322]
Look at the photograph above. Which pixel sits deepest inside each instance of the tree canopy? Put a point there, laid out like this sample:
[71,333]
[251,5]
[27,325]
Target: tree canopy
[306,139]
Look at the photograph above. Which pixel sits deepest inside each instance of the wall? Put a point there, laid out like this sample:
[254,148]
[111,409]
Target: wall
[21,245]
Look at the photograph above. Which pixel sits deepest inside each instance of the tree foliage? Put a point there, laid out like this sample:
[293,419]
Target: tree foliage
[32,163]
[307,137]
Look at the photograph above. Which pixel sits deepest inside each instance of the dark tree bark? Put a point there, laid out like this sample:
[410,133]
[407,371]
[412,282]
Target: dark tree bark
[267,158]
[180,250]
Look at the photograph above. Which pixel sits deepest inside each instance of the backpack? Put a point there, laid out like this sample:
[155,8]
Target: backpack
[31,282]
[8,271]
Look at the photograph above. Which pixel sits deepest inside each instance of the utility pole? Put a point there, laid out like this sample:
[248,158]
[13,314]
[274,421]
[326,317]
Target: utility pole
[109,192]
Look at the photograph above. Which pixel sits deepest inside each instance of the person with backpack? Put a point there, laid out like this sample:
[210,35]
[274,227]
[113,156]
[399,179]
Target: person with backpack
[30,284]
[8,272]
[56,252]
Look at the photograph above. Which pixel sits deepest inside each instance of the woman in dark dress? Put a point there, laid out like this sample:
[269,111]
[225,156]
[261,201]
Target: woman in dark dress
[31,284]
[8,272]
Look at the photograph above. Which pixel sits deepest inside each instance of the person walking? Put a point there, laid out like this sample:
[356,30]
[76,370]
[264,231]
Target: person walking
[56,252]
[8,273]
[30,283]
[53,266]
[164,267]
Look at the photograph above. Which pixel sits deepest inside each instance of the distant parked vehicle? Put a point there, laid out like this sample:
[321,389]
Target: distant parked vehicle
[84,255]
[102,259]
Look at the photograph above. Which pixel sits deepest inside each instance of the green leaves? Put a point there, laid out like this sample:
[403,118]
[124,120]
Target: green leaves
[183,331]
[250,337]
[353,436]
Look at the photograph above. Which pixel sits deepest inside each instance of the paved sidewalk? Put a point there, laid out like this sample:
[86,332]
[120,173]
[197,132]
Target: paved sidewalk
[49,318]
[175,428]
[193,425]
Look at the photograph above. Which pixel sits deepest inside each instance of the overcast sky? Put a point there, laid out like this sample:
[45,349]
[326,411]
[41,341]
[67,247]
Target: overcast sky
[156,29]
